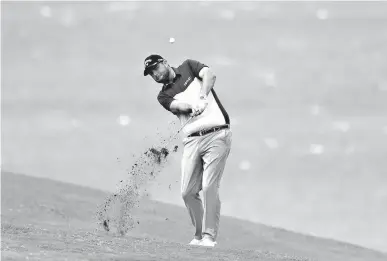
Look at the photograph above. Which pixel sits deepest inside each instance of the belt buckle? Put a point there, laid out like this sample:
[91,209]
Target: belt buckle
[201,133]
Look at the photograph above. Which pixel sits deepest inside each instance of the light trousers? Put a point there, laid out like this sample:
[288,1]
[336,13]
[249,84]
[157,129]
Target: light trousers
[203,163]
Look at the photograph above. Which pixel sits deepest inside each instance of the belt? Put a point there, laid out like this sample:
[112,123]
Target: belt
[210,130]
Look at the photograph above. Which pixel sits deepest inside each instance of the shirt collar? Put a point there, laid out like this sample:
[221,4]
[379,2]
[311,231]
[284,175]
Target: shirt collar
[177,71]
[178,74]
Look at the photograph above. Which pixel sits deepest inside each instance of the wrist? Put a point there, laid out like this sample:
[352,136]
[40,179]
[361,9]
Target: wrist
[203,97]
[190,107]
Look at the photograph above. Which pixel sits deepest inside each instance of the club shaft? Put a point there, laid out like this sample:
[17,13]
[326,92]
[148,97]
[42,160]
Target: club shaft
[174,136]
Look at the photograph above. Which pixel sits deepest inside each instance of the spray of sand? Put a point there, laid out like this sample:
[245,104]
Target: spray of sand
[116,213]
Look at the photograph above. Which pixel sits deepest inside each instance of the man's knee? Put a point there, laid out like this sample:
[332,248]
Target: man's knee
[210,189]
[187,195]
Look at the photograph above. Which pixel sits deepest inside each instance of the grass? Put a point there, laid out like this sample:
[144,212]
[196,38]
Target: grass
[49,220]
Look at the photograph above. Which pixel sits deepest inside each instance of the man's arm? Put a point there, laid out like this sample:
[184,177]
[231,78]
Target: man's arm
[178,107]
[209,79]
[204,73]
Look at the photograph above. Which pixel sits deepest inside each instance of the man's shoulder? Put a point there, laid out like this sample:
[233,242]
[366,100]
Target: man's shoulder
[161,92]
[161,96]
[189,64]
[164,91]
[184,63]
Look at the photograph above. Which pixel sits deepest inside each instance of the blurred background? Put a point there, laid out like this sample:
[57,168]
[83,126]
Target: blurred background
[305,84]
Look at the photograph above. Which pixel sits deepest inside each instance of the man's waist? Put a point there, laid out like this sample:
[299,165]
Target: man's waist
[209,130]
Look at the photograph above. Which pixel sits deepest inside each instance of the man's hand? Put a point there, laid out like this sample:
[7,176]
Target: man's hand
[199,107]
[193,109]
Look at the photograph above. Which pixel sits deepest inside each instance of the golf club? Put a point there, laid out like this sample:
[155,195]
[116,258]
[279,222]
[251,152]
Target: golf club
[174,136]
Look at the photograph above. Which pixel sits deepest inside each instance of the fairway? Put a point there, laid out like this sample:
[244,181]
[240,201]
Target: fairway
[49,220]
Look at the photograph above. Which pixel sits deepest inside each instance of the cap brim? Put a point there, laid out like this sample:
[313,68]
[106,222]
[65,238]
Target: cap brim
[146,71]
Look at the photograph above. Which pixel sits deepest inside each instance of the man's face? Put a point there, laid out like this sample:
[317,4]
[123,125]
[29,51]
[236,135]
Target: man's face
[160,72]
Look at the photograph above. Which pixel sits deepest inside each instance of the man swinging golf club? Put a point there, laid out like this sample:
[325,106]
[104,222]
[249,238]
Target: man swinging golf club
[187,92]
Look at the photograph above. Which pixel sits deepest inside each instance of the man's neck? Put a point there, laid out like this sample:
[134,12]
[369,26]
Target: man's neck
[172,76]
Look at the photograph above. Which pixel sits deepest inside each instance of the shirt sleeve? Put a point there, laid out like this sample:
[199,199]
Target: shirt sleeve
[165,100]
[195,66]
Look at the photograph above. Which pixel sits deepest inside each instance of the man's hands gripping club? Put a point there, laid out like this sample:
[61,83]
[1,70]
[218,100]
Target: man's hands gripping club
[193,109]
[199,107]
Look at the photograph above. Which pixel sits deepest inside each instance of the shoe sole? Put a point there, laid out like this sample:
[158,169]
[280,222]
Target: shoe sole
[209,245]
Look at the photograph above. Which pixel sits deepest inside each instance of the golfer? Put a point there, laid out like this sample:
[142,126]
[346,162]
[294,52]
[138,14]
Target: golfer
[187,92]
